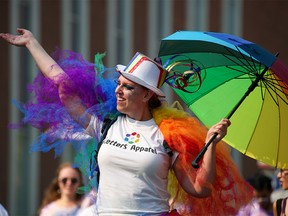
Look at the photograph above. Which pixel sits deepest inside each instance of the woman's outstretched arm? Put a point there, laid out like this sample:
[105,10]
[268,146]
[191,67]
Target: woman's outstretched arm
[52,71]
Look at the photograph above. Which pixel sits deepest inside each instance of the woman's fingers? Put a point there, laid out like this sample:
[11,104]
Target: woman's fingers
[220,129]
[22,31]
[18,40]
[7,37]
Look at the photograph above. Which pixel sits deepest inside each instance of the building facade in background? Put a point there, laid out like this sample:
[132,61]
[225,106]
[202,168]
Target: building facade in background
[119,28]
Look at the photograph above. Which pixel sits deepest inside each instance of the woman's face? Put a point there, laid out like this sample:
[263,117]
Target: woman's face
[131,97]
[69,181]
[283,178]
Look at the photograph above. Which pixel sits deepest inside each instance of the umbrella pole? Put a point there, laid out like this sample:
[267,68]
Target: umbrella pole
[254,84]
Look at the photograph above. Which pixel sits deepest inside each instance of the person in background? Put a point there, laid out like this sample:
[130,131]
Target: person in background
[3,211]
[280,206]
[61,197]
[261,204]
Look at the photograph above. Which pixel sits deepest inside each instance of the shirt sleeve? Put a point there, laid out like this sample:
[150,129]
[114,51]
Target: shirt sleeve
[47,210]
[94,127]
[3,211]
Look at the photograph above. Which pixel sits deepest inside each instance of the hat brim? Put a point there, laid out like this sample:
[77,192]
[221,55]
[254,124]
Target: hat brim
[121,68]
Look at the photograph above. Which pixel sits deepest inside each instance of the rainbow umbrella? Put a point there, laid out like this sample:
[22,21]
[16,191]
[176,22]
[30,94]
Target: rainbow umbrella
[223,76]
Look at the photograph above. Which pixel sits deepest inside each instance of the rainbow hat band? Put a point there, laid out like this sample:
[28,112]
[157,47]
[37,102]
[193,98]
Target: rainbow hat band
[144,71]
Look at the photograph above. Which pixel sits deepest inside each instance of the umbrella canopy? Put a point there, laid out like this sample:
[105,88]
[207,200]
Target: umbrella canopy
[216,74]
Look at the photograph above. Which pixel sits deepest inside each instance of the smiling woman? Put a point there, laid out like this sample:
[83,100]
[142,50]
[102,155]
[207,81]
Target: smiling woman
[61,197]
[132,99]
[151,174]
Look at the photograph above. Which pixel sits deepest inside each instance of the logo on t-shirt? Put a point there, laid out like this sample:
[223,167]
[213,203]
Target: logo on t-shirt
[132,138]
[132,143]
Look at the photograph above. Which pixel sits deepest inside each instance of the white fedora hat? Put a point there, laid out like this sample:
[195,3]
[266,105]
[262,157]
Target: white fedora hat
[144,71]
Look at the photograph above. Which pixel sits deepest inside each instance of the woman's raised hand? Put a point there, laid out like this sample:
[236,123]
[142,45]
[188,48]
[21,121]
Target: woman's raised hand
[18,40]
[220,129]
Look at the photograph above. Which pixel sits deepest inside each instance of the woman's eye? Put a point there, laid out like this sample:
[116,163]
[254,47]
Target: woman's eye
[128,87]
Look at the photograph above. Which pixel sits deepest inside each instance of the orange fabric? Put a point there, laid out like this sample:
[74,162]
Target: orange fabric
[186,135]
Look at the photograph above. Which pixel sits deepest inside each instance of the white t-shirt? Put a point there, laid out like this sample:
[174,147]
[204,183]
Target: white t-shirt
[133,169]
[52,209]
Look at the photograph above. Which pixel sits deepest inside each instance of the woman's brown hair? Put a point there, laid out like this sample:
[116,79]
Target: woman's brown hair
[154,102]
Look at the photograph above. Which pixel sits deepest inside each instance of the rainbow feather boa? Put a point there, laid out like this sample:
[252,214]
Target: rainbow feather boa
[186,135]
